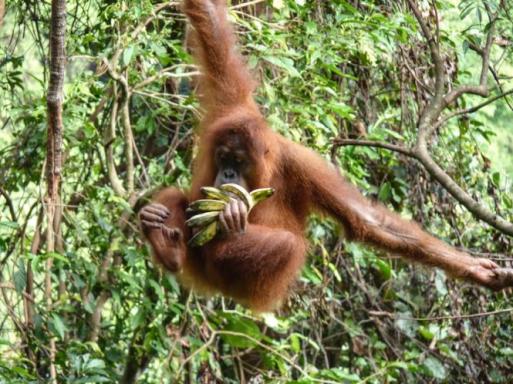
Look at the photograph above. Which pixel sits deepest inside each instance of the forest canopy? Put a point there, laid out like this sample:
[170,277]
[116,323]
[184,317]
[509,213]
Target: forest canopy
[411,100]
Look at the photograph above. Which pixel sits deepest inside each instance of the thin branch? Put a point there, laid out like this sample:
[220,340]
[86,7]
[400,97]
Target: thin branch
[127,127]
[473,109]
[29,286]
[9,204]
[108,144]
[433,109]
[141,163]
[129,140]
[427,122]
[247,4]
[166,72]
[479,210]
[481,89]
[103,273]
[499,85]
[158,8]
[423,156]
[440,318]
[377,144]
[11,286]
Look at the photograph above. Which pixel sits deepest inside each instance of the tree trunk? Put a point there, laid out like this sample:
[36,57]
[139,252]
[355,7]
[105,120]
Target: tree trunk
[54,147]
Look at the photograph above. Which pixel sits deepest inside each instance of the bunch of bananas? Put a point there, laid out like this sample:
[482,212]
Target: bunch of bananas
[207,210]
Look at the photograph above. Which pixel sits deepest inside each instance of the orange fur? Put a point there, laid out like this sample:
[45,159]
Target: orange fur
[257,267]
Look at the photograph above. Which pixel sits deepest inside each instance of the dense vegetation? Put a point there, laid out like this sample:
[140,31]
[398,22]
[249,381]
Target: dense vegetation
[337,76]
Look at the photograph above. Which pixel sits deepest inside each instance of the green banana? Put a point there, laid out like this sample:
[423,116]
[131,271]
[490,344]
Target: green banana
[261,194]
[240,192]
[202,219]
[204,235]
[214,193]
[207,205]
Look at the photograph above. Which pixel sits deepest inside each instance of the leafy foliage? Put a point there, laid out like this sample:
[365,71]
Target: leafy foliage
[328,70]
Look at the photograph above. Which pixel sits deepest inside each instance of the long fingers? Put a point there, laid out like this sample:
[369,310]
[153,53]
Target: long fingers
[236,215]
[504,278]
[151,224]
[487,263]
[224,223]
[154,212]
[234,218]
[243,215]
[152,216]
[157,208]
[172,234]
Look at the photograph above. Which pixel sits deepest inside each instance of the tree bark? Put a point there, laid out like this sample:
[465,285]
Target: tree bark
[54,148]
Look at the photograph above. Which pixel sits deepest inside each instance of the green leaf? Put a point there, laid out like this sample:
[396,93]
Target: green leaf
[426,333]
[384,268]
[506,351]
[508,202]
[244,327]
[295,343]
[385,192]
[496,179]
[95,364]
[57,325]
[284,63]
[9,224]
[20,277]
[435,368]
[128,53]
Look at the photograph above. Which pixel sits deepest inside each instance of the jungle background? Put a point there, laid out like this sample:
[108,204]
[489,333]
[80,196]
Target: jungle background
[81,301]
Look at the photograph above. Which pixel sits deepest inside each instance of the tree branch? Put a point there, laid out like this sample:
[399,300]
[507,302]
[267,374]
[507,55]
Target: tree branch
[376,144]
[435,105]
[473,109]
[103,274]
[428,121]
[482,88]
[129,140]
[9,204]
[108,145]
[479,210]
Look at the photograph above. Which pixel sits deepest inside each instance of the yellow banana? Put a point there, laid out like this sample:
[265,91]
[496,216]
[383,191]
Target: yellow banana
[207,205]
[240,192]
[204,235]
[214,193]
[207,219]
[202,219]
[261,194]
